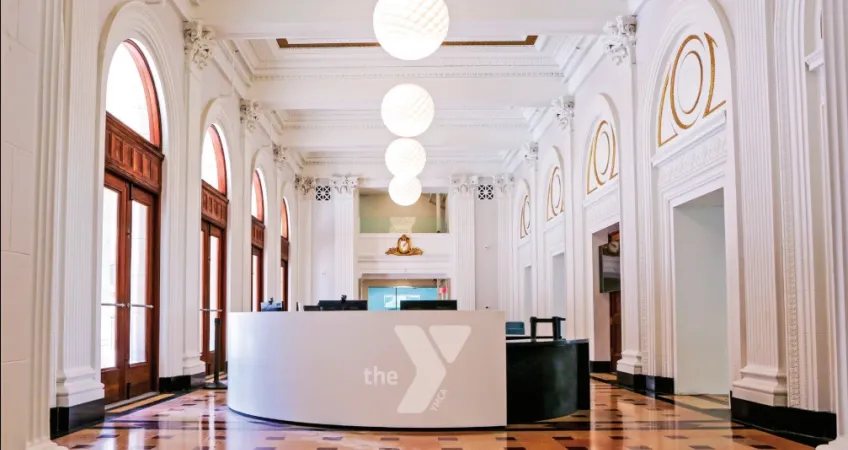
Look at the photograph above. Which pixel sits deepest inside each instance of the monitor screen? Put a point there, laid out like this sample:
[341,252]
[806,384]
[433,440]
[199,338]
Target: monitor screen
[338,305]
[428,305]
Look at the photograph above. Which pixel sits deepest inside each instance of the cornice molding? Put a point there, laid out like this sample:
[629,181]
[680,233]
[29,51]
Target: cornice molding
[404,74]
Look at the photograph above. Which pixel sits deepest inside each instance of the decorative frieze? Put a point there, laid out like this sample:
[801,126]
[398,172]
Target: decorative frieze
[198,43]
[563,108]
[620,38]
[249,110]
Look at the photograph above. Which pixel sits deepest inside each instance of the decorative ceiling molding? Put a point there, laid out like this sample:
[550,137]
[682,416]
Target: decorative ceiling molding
[283,43]
[337,74]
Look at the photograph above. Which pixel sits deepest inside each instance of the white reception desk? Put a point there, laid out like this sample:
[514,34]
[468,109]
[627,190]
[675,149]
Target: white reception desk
[380,369]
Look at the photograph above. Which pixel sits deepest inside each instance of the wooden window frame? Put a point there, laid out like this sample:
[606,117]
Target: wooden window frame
[260,200]
[220,159]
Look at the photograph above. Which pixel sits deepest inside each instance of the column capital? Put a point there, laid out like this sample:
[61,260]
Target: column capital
[345,186]
[531,153]
[304,185]
[198,43]
[563,108]
[249,111]
[281,155]
[504,184]
[620,38]
[464,185]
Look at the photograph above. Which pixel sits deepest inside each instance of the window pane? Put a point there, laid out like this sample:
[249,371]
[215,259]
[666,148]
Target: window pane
[254,205]
[209,161]
[109,280]
[138,283]
[125,96]
[213,288]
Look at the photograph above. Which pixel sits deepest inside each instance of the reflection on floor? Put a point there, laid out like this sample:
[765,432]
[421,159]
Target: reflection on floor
[701,401]
[619,419]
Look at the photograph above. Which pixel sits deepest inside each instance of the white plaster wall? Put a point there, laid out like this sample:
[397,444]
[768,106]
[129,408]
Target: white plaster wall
[21,29]
[702,358]
[486,253]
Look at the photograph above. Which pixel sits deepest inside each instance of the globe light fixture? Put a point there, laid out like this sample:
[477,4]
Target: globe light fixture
[407,110]
[405,191]
[405,158]
[411,29]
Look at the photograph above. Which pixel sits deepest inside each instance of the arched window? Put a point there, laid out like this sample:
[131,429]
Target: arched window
[284,253]
[214,166]
[131,93]
[257,240]
[130,223]
[213,247]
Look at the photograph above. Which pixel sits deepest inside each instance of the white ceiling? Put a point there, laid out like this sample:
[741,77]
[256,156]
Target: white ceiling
[328,99]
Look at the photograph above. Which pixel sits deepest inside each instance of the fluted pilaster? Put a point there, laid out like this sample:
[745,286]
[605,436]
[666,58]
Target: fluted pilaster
[346,231]
[305,195]
[78,370]
[504,189]
[461,207]
[763,377]
[835,25]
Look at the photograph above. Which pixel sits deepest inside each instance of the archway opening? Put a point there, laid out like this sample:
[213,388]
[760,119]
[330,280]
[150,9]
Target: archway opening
[257,240]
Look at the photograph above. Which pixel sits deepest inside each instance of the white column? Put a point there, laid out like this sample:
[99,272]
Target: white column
[461,210]
[835,22]
[186,320]
[506,245]
[346,225]
[763,372]
[304,186]
[79,187]
[49,145]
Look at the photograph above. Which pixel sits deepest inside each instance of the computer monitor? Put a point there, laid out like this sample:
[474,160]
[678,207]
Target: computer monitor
[338,305]
[272,307]
[428,305]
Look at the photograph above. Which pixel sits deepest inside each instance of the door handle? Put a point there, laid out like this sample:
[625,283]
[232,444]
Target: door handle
[117,305]
[211,310]
[142,306]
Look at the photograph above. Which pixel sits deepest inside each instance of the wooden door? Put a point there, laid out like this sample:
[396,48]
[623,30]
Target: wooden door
[128,290]
[213,291]
[615,328]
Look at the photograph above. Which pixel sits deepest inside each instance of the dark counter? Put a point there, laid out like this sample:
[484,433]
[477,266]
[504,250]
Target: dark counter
[546,379]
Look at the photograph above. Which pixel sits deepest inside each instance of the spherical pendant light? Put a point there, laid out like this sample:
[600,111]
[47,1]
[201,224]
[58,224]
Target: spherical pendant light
[405,191]
[411,29]
[407,110]
[405,158]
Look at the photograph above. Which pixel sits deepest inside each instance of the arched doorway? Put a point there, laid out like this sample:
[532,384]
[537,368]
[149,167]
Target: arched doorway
[257,242]
[213,245]
[130,237]
[284,254]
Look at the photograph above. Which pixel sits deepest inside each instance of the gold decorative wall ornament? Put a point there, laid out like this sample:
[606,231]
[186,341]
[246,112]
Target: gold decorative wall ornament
[603,150]
[524,219]
[556,204]
[404,248]
[696,55]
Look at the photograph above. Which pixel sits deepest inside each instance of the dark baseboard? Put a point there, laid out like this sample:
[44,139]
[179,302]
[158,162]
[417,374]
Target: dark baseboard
[818,427]
[182,382]
[635,382]
[600,366]
[67,419]
[659,385]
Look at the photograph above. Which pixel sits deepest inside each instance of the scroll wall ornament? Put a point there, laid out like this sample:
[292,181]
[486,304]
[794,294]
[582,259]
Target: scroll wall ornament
[620,38]
[345,185]
[556,203]
[281,155]
[564,112]
[404,248]
[304,184]
[198,43]
[504,183]
[601,160]
[524,218]
[531,153]
[249,110]
[681,105]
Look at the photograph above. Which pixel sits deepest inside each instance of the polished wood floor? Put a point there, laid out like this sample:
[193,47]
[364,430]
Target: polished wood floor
[620,419]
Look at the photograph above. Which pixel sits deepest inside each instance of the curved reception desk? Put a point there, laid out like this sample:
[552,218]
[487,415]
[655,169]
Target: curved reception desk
[375,369]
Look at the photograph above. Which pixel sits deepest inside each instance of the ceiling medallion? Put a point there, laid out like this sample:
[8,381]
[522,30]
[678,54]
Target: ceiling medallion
[411,29]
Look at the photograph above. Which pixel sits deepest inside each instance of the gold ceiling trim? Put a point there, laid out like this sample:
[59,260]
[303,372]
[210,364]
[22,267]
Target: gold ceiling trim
[530,40]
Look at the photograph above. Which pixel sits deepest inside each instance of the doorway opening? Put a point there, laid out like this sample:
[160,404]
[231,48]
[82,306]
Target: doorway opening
[700,297]
[606,254]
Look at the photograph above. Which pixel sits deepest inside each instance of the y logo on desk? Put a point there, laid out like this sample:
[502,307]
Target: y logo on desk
[429,370]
